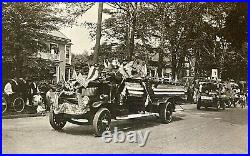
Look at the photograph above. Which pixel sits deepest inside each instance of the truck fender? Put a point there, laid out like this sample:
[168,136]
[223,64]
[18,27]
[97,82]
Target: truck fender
[97,104]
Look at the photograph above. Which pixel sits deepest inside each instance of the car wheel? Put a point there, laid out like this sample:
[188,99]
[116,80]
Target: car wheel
[56,121]
[101,121]
[165,113]
[18,104]
[206,108]
[199,104]
[223,105]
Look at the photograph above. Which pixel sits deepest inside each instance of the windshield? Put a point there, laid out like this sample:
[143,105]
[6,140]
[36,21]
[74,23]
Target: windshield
[208,87]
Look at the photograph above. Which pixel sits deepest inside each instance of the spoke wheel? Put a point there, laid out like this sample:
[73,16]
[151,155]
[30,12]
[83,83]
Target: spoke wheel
[18,104]
[56,121]
[4,105]
[166,113]
[101,121]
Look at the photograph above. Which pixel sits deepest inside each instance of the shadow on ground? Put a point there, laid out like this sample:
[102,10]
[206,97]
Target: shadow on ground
[122,125]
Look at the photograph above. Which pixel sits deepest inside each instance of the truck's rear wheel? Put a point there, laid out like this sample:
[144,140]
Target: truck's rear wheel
[56,121]
[101,121]
[166,113]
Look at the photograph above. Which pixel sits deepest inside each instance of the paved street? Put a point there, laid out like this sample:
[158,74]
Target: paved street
[192,131]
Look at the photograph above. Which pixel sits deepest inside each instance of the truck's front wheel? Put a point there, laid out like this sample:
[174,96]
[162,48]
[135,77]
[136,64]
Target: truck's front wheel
[101,121]
[56,121]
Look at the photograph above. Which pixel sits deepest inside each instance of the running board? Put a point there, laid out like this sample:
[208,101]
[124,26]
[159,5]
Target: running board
[132,116]
[78,122]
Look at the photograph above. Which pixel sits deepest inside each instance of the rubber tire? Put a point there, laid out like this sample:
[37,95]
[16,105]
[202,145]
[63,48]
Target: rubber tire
[165,113]
[223,105]
[56,121]
[4,107]
[199,104]
[14,105]
[97,121]
[206,108]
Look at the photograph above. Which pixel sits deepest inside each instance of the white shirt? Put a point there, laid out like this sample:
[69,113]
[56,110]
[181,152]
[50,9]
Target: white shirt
[8,89]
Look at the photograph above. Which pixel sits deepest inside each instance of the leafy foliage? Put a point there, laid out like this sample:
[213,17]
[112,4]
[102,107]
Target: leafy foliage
[206,32]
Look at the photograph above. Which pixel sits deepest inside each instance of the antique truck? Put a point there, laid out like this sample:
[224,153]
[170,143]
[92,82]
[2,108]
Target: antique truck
[108,98]
[209,96]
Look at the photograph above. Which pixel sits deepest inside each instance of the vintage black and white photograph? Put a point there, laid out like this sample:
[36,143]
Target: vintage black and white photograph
[124,77]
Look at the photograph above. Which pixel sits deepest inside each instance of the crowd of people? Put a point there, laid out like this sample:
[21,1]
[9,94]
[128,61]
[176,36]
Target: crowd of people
[28,90]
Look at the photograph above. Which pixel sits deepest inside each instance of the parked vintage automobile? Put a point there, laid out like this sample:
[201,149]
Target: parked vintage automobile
[107,98]
[209,96]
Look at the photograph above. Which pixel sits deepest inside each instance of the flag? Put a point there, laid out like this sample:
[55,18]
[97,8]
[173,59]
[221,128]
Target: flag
[128,68]
[105,64]
[93,73]
[123,71]
[79,78]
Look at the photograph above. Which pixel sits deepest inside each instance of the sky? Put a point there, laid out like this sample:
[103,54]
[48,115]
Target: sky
[79,35]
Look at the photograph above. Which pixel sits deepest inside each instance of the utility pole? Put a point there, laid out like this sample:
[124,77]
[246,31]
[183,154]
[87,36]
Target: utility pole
[98,33]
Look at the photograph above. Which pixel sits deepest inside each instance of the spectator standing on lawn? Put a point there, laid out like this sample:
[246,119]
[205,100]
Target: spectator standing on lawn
[11,89]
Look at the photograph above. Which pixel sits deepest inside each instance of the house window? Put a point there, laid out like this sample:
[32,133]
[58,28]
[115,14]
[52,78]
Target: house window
[167,75]
[67,51]
[54,49]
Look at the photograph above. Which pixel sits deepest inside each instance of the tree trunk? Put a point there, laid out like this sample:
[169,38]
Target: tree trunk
[127,42]
[98,33]
[132,37]
[160,64]
[18,63]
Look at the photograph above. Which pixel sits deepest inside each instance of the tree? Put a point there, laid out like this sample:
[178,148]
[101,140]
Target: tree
[80,62]
[25,27]
[24,24]
[236,32]
[179,31]
[98,32]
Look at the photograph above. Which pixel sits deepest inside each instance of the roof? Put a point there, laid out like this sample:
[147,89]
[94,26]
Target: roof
[58,34]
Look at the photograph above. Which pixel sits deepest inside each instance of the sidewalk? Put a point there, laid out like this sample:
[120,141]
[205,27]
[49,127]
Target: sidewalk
[26,113]
[13,116]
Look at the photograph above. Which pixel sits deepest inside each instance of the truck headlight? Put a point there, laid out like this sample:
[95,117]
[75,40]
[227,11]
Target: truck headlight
[85,100]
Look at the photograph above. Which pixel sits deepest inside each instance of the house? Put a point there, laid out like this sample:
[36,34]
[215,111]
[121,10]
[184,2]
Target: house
[166,69]
[186,71]
[59,53]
